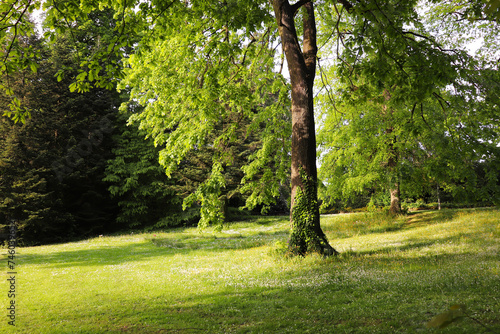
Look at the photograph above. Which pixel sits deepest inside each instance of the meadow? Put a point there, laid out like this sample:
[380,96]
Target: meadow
[394,274]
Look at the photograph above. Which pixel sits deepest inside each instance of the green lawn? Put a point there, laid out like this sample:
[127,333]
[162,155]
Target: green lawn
[393,276]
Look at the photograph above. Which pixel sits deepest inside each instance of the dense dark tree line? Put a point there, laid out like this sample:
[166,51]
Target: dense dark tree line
[51,167]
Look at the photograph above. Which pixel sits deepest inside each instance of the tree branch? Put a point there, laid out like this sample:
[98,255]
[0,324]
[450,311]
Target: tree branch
[9,49]
[309,46]
[412,111]
[422,114]
[10,11]
[347,5]
[296,6]
[326,84]
[440,98]
[436,44]
[162,11]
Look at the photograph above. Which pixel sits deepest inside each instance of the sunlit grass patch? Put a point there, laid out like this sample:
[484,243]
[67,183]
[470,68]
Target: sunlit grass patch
[348,225]
[467,232]
[386,279]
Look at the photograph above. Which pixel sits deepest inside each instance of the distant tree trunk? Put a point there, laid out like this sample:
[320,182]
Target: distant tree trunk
[392,164]
[395,207]
[306,235]
[224,207]
[438,196]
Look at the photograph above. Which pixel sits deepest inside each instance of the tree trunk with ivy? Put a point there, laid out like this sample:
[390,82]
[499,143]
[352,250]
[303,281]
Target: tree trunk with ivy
[306,234]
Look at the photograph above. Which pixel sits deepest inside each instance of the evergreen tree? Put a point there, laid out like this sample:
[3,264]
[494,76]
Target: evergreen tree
[146,196]
[53,164]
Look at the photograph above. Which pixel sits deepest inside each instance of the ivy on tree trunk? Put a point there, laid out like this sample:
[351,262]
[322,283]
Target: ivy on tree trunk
[306,234]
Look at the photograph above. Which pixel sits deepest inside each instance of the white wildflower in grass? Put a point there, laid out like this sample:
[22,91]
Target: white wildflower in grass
[385,280]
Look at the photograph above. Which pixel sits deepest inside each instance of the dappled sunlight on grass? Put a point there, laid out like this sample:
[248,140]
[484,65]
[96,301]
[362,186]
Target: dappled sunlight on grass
[393,275]
[438,235]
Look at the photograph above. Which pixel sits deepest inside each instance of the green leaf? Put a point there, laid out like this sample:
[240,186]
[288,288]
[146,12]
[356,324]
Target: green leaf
[59,75]
[34,67]
[455,313]
[111,47]
[492,6]
[72,87]
[81,76]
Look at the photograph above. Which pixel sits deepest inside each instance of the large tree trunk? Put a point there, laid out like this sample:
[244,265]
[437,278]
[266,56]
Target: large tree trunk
[306,235]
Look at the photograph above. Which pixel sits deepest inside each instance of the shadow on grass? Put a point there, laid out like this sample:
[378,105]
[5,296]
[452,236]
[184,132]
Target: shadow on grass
[408,245]
[220,243]
[431,217]
[102,255]
[343,300]
[98,255]
[149,248]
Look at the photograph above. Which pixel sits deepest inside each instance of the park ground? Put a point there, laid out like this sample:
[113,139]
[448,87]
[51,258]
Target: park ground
[394,275]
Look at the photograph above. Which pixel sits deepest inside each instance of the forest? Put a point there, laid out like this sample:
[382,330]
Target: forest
[108,128]
[250,166]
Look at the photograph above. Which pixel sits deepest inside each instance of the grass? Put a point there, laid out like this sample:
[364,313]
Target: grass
[393,276]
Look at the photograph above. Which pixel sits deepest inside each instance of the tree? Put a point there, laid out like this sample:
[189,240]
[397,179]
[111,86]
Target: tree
[146,196]
[224,52]
[416,130]
[26,194]
[306,234]
[220,56]
[52,165]
[223,78]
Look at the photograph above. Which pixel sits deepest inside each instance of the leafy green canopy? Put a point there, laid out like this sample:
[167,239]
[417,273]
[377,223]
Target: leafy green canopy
[192,65]
[194,72]
[188,63]
[403,96]
[15,54]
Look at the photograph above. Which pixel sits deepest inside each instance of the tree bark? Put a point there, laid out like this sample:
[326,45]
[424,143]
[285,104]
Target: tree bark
[306,234]
[392,163]
[395,207]
[438,196]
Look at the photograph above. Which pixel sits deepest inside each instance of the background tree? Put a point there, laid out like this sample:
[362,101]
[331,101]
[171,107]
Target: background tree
[211,91]
[392,118]
[146,196]
[53,163]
